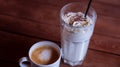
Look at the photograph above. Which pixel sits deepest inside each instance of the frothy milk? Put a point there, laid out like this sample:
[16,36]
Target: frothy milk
[76,33]
[45,55]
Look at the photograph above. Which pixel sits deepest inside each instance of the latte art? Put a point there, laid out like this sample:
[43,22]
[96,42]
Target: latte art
[45,55]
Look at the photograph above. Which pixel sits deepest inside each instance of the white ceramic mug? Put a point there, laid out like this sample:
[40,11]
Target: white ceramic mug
[23,60]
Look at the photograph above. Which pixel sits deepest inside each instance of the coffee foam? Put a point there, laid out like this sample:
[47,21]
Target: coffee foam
[45,55]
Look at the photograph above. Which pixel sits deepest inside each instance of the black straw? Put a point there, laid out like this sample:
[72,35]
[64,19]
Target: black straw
[87,8]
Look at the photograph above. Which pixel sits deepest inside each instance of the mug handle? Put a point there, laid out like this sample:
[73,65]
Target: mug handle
[24,62]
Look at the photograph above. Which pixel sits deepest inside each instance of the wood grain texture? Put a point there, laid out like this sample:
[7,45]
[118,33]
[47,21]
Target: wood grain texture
[99,59]
[24,22]
[13,47]
[37,29]
[18,45]
[100,41]
[105,43]
[47,12]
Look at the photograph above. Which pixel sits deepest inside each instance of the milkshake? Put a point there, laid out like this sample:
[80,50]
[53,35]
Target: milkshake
[76,32]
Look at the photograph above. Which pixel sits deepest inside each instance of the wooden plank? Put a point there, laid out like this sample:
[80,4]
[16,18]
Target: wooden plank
[48,30]
[98,59]
[40,11]
[34,9]
[93,59]
[33,21]
[28,18]
[112,2]
[105,9]
[104,43]
[104,25]
[43,12]
[108,26]
[13,46]
[52,32]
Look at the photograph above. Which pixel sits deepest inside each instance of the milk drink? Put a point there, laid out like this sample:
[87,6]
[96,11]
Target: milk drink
[75,36]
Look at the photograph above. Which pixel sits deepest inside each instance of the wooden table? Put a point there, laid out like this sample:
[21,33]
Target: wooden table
[24,22]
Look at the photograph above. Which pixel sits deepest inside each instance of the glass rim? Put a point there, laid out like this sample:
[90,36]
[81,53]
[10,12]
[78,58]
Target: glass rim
[62,9]
[68,4]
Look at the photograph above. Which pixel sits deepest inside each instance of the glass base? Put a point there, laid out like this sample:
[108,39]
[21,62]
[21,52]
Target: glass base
[71,63]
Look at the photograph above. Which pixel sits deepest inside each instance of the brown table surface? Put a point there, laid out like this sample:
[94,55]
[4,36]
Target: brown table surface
[25,22]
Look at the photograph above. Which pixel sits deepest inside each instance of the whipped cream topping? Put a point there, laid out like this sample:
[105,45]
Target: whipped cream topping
[77,19]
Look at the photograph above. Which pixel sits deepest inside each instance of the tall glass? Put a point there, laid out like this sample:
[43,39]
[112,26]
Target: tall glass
[75,39]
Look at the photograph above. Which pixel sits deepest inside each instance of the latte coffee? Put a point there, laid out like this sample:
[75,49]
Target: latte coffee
[42,54]
[45,55]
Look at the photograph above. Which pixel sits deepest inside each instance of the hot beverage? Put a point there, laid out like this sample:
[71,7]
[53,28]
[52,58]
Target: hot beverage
[42,54]
[45,55]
